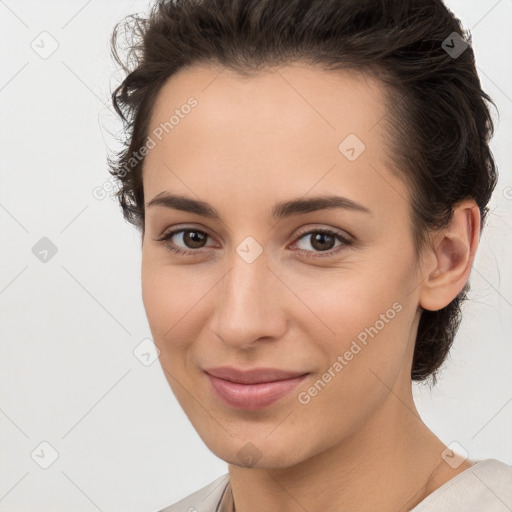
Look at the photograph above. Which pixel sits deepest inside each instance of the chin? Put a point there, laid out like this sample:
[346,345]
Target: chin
[259,450]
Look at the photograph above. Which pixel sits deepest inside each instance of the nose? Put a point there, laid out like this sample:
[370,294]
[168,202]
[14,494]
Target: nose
[248,305]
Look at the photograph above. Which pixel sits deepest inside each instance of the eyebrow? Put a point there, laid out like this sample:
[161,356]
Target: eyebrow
[280,211]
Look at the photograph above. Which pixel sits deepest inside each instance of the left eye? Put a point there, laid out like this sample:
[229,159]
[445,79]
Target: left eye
[320,239]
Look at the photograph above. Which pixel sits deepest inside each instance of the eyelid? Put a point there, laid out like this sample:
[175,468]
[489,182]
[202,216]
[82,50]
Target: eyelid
[346,237]
[180,228]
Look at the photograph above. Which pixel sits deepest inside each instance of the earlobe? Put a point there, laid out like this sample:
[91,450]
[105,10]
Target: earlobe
[454,250]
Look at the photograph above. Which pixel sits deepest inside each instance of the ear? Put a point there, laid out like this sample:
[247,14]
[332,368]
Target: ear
[453,252]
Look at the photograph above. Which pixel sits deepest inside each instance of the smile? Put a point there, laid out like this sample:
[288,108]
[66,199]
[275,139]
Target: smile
[254,390]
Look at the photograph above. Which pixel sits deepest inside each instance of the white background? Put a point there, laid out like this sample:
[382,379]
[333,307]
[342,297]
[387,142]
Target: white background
[68,327]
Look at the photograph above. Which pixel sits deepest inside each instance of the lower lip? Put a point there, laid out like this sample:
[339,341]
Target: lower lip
[252,397]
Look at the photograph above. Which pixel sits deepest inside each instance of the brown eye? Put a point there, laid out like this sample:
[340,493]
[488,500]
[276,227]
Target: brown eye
[323,242]
[192,239]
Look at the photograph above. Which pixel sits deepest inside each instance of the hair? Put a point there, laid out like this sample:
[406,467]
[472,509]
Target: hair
[438,120]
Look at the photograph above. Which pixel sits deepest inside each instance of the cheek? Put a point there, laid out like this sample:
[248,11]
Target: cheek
[166,310]
[351,300]
[161,292]
[172,298]
[361,318]
[362,361]
[155,297]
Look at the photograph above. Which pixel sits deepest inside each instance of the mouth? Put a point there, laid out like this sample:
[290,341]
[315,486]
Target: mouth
[252,390]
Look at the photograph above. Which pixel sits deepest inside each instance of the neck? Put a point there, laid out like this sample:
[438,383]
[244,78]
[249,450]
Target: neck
[391,463]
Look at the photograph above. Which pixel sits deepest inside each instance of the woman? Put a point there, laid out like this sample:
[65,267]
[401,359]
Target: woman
[310,179]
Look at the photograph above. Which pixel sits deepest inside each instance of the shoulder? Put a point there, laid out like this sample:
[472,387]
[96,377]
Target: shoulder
[486,485]
[205,499]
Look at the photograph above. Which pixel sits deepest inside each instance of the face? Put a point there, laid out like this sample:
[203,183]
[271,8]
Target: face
[327,292]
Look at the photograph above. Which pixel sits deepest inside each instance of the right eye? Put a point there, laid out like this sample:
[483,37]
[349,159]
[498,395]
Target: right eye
[192,237]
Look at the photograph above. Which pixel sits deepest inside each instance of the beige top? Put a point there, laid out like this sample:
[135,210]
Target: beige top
[484,487]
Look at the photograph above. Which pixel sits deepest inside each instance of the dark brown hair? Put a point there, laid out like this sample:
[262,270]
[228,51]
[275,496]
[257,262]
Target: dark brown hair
[439,124]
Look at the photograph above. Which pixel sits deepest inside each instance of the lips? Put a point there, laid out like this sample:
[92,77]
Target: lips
[254,376]
[252,389]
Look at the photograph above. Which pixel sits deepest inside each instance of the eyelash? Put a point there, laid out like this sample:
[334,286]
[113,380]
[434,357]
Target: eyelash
[322,254]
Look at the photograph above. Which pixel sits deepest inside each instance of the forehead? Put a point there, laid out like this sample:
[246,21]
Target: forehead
[288,97]
[258,133]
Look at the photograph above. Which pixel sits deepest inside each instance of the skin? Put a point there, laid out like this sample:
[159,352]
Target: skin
[249,143]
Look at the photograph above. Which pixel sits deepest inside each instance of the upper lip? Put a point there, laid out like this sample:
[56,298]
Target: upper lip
[252,376]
